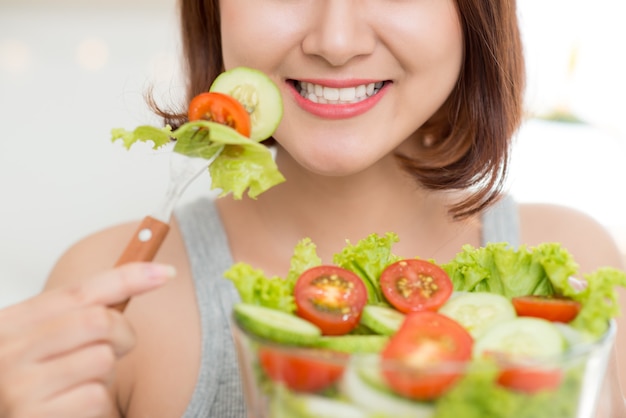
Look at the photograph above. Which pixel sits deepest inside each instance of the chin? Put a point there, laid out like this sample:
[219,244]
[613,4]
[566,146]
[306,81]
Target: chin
[334,165]
[336,149]
[329,158]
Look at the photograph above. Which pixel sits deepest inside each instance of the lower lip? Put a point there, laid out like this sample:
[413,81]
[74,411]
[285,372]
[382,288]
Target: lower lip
[339,111]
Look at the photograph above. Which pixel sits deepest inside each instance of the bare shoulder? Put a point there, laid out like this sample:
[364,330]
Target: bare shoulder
[588,240]
[92,254]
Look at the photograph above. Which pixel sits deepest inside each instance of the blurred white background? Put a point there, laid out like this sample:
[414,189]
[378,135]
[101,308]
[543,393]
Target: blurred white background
[70,70]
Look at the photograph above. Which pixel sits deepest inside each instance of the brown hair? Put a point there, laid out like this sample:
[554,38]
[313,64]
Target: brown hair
[466,144]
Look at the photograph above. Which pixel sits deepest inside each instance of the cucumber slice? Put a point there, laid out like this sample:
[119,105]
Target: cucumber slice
[275,325]
[523,338]
[259,96]
[291,405]
[573,337]
[381,319]
[478,311]
[363,385]
[353,343]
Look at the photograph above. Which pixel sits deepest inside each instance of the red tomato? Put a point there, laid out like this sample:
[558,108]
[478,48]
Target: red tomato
[423,347]
[551,308]
[530,380]
[302,372]
[415,285]
[330,297]
[220,108]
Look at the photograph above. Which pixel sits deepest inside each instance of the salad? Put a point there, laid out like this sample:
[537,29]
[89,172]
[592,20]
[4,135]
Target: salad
[242,107]
[496,332]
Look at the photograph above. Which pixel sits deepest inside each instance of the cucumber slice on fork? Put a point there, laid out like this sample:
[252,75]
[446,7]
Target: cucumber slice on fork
[259,96]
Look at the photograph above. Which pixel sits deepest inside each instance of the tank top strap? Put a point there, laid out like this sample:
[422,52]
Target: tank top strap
[218,391]
[500,223]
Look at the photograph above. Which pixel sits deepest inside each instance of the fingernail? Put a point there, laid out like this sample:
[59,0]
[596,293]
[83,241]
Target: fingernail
[161,272]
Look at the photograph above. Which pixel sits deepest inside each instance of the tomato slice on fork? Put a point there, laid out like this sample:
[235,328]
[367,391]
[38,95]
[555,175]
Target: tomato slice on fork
[220,108]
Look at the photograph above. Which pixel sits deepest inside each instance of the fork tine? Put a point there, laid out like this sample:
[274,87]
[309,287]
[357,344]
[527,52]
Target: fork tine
[183,170]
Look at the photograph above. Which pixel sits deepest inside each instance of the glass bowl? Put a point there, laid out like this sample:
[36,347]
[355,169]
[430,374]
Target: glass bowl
[282,381]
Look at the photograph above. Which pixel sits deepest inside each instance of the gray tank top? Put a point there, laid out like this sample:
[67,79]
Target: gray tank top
[218,392]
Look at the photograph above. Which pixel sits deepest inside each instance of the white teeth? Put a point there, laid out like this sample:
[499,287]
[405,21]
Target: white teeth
[320,94]
[331,93]
[347,95]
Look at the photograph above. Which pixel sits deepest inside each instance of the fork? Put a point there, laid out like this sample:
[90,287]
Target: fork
[153,229]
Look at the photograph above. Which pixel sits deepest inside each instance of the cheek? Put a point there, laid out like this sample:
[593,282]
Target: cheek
[259,34]
[431,53]
[427,37]
[447,47]
[235,28]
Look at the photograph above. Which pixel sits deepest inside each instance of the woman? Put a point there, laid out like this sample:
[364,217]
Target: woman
[424,156]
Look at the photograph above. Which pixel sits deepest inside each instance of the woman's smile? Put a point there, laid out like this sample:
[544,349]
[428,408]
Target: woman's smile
[337,99]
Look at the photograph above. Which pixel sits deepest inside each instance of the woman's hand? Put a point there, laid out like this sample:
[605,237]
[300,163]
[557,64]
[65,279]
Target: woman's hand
[58,349]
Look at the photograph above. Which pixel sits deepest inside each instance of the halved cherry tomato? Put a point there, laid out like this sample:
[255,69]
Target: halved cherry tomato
[554,309]
[413,285]
[331,297]
[530,379]
[220,108]
[302,372]
[429,349]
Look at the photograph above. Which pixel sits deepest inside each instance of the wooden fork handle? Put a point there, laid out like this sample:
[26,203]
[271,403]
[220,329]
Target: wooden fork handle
[143,245]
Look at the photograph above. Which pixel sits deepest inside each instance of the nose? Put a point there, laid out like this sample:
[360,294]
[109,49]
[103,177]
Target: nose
[339,31]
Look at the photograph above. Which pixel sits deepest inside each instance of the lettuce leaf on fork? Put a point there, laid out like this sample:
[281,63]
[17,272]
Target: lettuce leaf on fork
[239,163]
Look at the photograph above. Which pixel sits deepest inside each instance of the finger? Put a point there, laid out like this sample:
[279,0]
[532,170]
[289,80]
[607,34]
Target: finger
[34,384]
[71,330]
[108,288]
[118,285]
[94,363]
[90,400]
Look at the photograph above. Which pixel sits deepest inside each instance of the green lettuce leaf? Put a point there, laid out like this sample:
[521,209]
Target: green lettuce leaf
[558,264]
[304,257]
[239,168]
[192,141]
[498,268]
[599,300]
[368,258]
[542,270]
[239,164]
[275,292]
[255,287]
[477,395]
[144,133]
